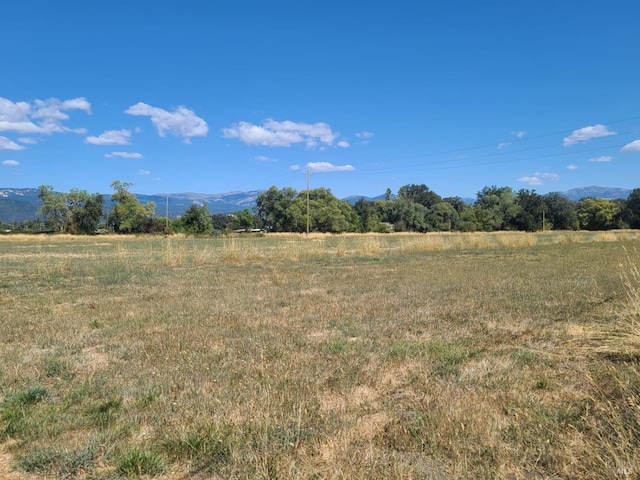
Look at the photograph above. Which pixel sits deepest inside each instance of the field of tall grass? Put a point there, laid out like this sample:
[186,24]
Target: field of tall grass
[503,355]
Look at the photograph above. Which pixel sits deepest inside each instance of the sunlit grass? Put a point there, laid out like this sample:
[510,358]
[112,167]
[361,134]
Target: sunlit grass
[371,356]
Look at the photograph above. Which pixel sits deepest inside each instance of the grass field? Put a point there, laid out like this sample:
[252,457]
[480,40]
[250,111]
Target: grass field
[507,356]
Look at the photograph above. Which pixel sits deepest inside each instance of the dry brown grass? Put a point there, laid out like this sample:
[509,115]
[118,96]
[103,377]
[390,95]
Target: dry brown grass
[371,357]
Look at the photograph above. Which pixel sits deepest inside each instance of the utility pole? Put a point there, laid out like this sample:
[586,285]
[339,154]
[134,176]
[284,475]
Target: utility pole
[308,210]
[167,210]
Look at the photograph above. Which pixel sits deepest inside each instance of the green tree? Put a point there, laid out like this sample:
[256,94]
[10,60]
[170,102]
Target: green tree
[368,218]
[496,208]
[54,208]
[597,214]
[75,212]
[128,215]
[197,219]
[243,219]
[222,221]
[406,215]
[85,211]
[419,194]
[327,212]
[631,210]
[274,207]
[561,212]
[442,217]
[286,211]
[529,215]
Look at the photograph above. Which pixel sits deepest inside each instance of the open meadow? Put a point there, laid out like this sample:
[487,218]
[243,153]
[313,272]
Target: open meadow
[432,356]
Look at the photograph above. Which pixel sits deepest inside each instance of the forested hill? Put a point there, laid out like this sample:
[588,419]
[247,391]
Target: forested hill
[22,204]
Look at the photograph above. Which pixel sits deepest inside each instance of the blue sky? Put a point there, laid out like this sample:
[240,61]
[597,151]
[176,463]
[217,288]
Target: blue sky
[213,97]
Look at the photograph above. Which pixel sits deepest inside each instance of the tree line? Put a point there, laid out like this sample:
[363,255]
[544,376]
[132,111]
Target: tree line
[414,208]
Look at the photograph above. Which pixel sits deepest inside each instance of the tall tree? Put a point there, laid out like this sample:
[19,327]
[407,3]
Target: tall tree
[197,219]
[631,211]
[243,219]
[597,214]
[85,211]
[75,212]
[419,194]
[561,212]
[54,208]
[274,209]
[529,215]
[495,208]
[128,215]
[442,217]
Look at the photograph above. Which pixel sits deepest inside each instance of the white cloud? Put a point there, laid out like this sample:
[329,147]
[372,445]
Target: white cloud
[144,172]
[631,147]
[343,144]
[111,137]
[28,140]
[539,178]
[6,144]
[364,134]
[11,163]
[328,167]
[583,135]
[601,159]
[501,145]
[123,155]
[572,166]
[519,133]
[182,122]
[43,116]
[531,180]
[263,158]
[281,134]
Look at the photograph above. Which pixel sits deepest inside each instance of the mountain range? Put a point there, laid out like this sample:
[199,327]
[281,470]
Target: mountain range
[21,204]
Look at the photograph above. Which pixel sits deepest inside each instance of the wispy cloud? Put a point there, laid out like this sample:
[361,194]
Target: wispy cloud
[539,178]
[41,116]
[343,144]
[364,134]
[631,147]
[315,167]
[28,140]
[264,159]
[282,134]
[519,133]
[602,159]
[583,135]
[501,145]
[182,122]
[144,172]
[6,144]
[572,166]
[123,155]
[364,137]
[111,137]
[10,163]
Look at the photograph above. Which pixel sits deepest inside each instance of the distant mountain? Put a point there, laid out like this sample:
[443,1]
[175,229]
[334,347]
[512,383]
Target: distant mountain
[20,204]
[216,202]
[353,199]
[600,192]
